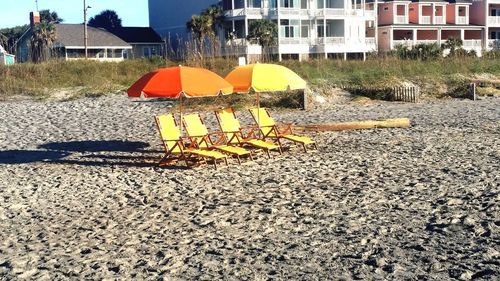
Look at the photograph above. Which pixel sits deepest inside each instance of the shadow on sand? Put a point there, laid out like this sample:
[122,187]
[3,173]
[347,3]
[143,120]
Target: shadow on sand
[70,153]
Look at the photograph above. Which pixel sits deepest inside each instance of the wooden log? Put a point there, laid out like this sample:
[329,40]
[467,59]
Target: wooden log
[369,124]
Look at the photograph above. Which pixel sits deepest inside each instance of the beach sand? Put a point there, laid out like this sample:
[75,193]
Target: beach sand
[81,198]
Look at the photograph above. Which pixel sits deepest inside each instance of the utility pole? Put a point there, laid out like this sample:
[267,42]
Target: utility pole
[36,2]
[85,37]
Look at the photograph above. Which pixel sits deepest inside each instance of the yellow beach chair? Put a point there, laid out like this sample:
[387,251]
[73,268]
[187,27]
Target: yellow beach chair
[270,129]
[201,138]
[233,132]
[174,146]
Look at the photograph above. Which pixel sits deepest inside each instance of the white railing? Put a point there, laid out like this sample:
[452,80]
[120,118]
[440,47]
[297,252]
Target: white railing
[408,43]
[462,20]
[494,20]
[330,40]
[472,43]
[425,20]
[494,43]
[370,41]
[369,13]
[400,20]
[439,20]
[426,41]
[289,11]
[334,12]
[290,40]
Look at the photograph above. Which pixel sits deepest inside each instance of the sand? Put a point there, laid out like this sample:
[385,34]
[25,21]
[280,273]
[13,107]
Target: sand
[81,198]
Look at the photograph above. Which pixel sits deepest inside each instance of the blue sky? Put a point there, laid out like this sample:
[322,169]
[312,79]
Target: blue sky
[16,12]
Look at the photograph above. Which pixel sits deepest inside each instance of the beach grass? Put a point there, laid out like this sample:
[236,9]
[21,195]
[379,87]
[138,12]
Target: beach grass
[90,78]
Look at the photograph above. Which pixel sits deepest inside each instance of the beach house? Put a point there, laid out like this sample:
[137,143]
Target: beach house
[145,42]
[487,13]
[427,21]
[69,43]
[307,28]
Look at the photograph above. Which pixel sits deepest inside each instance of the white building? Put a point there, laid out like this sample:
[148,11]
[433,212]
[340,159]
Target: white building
[307,28]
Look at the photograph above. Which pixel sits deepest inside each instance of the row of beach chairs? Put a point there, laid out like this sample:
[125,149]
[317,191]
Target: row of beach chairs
[233,140]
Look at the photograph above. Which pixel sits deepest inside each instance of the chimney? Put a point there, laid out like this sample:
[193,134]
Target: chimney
[34,18]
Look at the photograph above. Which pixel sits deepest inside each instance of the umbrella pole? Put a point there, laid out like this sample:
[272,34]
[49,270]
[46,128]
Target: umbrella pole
[180,113]
[258,111]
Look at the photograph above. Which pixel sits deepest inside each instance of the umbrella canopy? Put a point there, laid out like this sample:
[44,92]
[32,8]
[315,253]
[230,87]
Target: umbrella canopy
[175,82]
[264,78]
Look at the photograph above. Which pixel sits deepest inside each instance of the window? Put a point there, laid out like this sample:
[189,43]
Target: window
[289,28]
[146,52]
[303,4]
[304,29]
[386,8]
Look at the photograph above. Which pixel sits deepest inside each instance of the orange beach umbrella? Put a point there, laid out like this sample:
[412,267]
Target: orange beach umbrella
[175,82]
[179,81]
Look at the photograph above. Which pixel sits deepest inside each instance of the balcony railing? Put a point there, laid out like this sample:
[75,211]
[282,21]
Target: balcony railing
[476,43]
[407,43]
[290,11]
[429,41]
[494,20]
[494,43]
[330,41]
[439,20]
[462,20]
[400,20]
[369,41]
[425,20]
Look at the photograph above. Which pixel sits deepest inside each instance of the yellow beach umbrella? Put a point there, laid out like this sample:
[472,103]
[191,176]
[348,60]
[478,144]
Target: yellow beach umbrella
[263,77]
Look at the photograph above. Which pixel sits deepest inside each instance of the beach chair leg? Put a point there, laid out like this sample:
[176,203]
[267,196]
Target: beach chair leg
[268,154]
[239,160]
[225,160]
[251,156]
[315,146]
[304,146]
[215,163]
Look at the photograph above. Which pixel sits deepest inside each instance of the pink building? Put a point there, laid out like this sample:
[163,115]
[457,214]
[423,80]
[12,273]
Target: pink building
[487,13]
[427,21]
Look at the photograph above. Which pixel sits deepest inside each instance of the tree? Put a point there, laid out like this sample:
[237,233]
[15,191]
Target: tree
[200,26]
[454,44]
[216,14]
[11,35]
[42,39]
[107,19]
[50,17]
[264,33]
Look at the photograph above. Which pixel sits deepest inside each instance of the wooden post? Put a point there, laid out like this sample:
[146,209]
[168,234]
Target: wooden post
[304,100]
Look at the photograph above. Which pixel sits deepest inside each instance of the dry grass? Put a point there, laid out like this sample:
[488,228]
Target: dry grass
[89,78]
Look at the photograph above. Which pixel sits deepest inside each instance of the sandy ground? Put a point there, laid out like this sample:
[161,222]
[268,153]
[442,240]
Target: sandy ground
[80,197]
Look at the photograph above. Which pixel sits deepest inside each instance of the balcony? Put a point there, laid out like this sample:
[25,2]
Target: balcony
[369,13]
[492,20]
[439,20]
[461,20]
[400,20]
[425,20]
[427,41]
[290,12]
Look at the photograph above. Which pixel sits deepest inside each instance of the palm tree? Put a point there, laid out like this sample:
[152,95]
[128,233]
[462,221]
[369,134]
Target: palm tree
[216,14]
[42,39]
[264,33]
[201,27]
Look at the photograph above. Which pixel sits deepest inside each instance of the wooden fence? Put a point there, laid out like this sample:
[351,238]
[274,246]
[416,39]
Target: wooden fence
[406,94]
[399,93]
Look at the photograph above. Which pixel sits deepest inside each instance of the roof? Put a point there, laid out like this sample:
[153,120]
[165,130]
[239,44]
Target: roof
[460,1]
[71,35]
[137,34]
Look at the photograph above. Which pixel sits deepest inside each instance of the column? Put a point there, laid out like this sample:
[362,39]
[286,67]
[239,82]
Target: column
[391,43]
[324,28]
[462,34]
[433,14]
[278,6]
[414,37]
[439,36]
